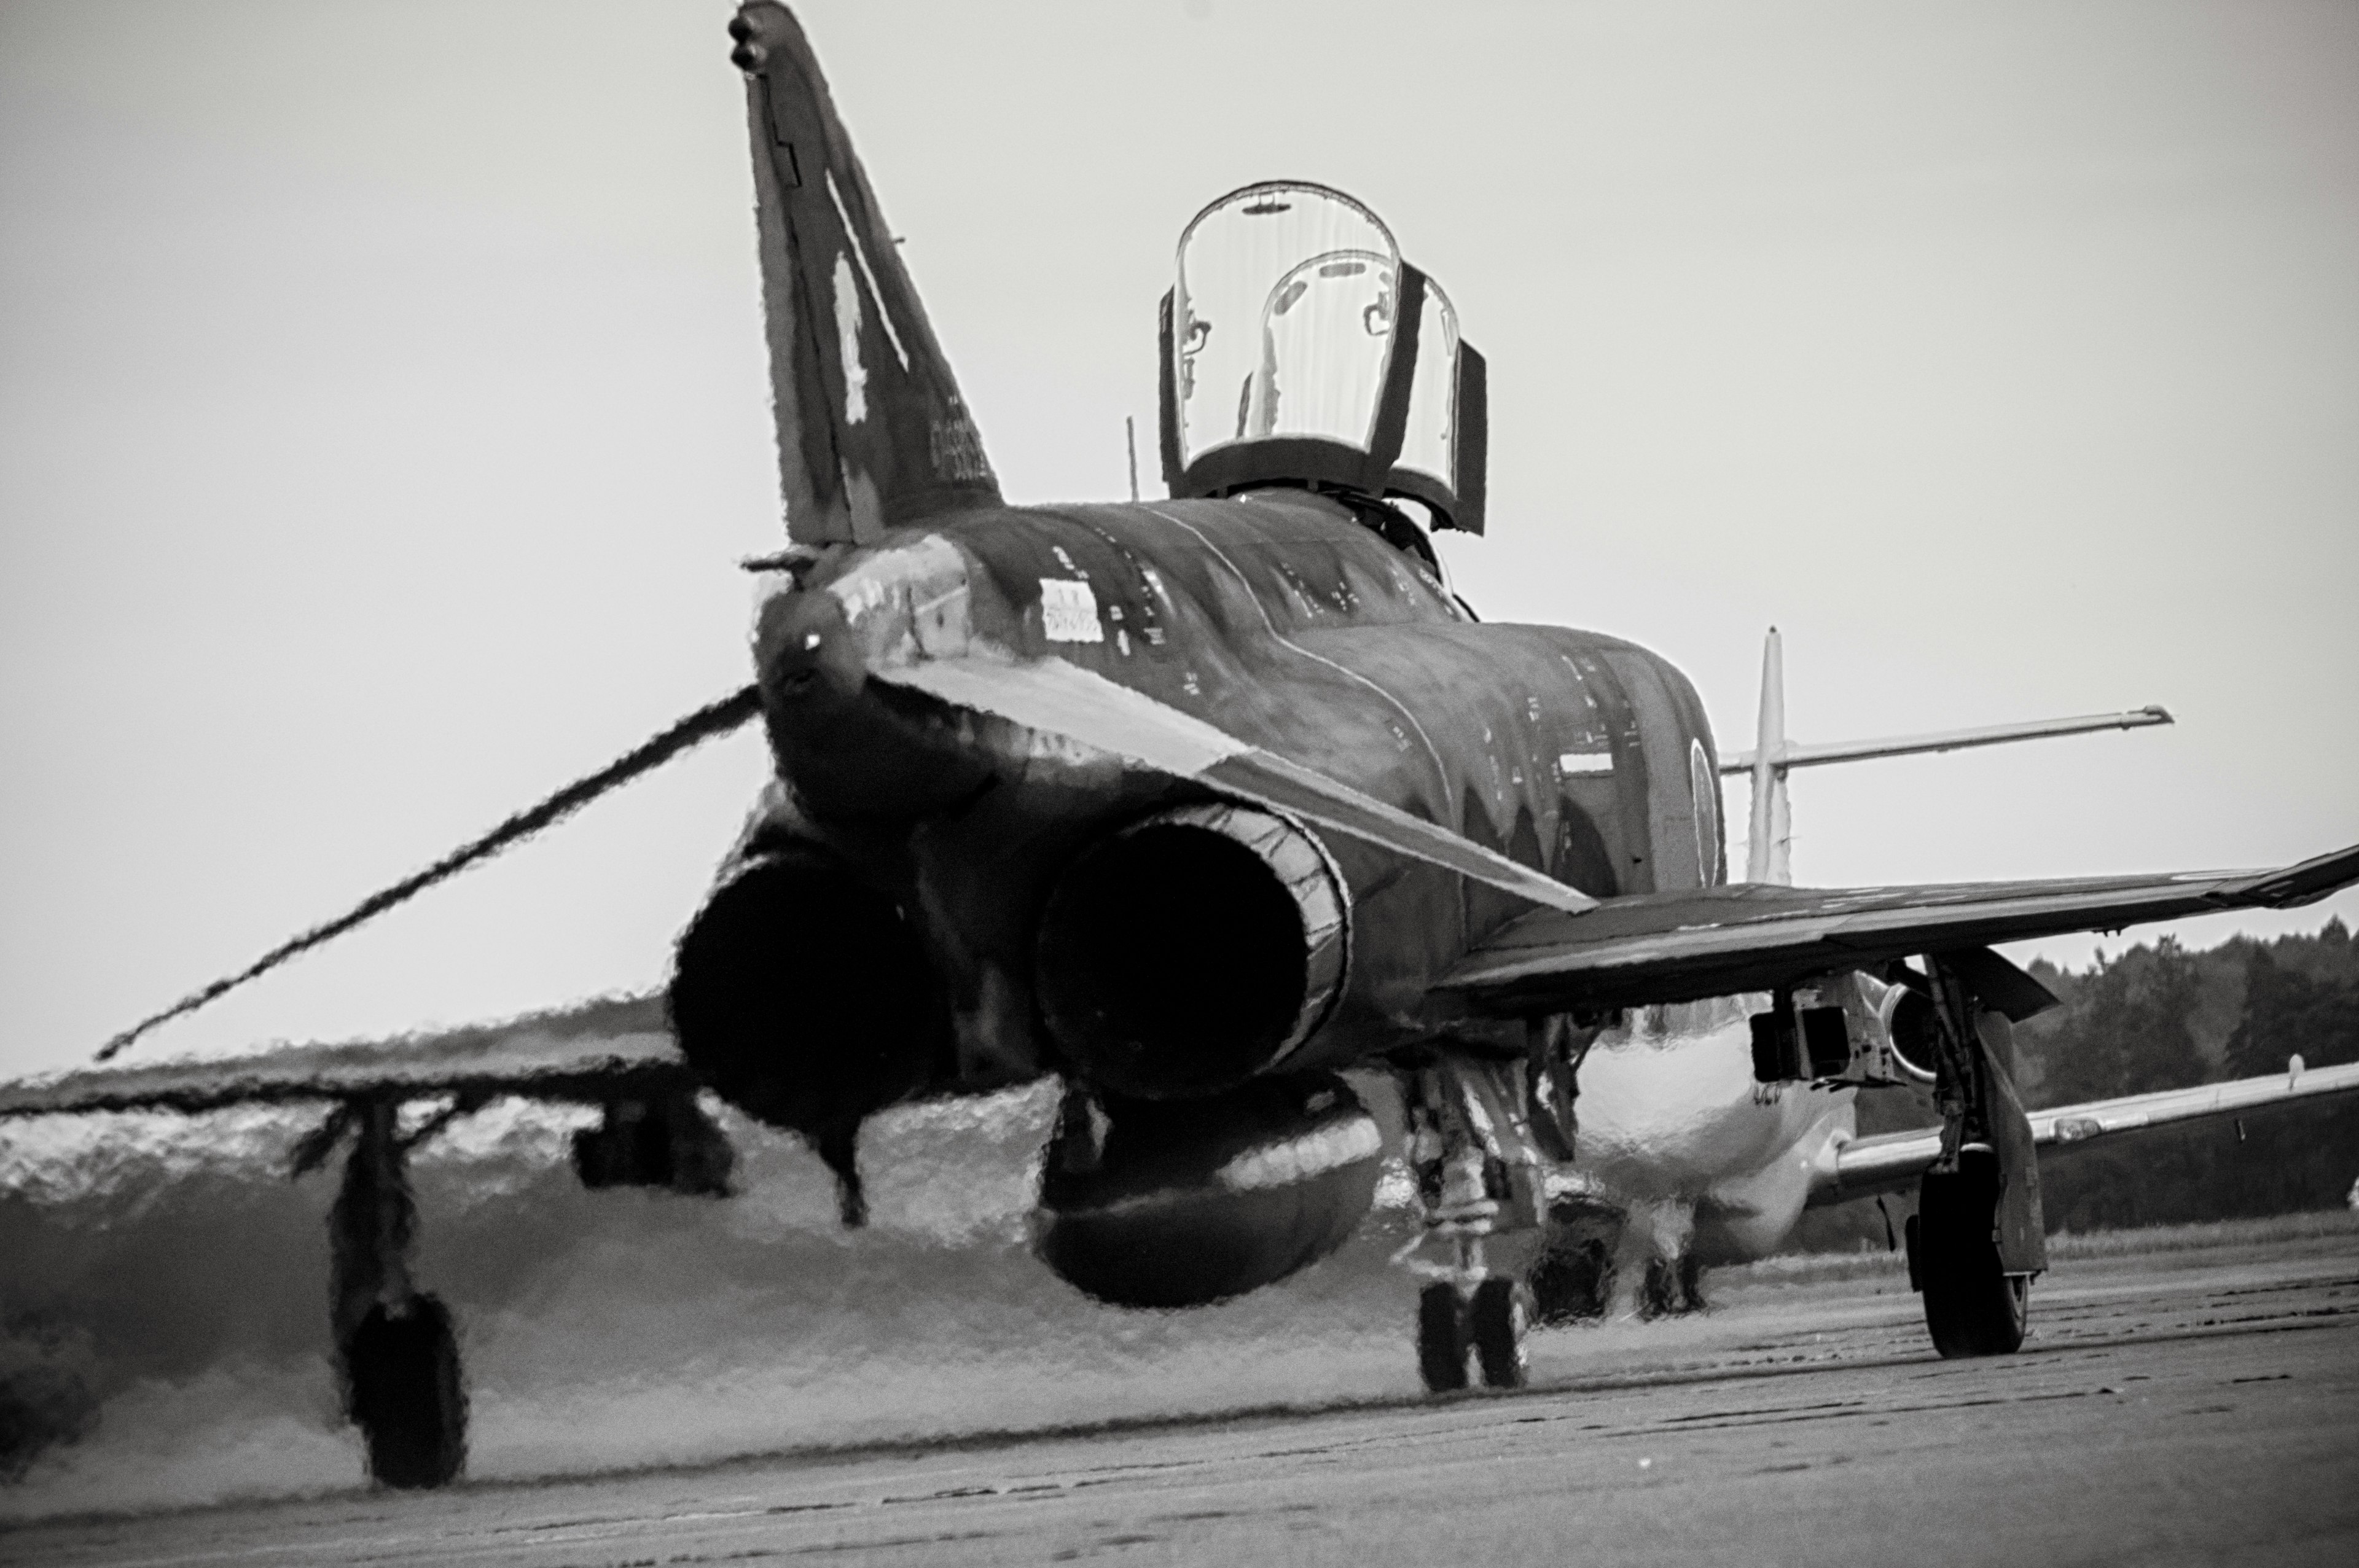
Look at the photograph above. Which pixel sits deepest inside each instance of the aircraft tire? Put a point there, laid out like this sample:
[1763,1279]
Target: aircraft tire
[1440,1338]
[1658,1294]
[1691,1273]
[408,1397]
[1496,1320]
[1571,1282]
[1976,1312]
[1972,1305]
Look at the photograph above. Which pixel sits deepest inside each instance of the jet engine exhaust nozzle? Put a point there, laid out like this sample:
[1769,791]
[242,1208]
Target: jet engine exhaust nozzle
[1193,951]
[801,996]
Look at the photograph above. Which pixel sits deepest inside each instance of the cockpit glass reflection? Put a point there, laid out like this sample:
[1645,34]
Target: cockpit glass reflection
[1429,440]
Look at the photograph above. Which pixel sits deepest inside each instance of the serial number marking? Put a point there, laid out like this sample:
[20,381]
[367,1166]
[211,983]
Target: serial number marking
[1068,611]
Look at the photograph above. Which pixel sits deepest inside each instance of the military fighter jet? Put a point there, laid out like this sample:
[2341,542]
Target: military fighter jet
[1196,804]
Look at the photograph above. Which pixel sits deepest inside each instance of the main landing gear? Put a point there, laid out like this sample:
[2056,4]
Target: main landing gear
[397,1347]
[397,1351]
[1977,1239]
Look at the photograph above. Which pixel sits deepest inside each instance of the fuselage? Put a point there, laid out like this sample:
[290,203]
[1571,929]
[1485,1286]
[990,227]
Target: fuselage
[1281,619]
[1671,1119]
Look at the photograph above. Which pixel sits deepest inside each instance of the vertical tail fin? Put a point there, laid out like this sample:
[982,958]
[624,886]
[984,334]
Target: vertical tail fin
[872,431]
[1769,853]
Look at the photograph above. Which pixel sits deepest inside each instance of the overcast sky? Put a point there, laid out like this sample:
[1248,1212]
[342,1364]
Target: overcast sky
[382,412]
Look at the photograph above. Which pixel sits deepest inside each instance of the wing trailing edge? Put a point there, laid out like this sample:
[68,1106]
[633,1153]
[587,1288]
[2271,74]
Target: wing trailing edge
[1892,1161]
[1679,947]
[477,1065]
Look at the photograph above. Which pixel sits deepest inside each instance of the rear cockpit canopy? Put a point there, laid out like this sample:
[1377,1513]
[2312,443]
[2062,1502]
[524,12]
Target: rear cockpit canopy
[1299,349]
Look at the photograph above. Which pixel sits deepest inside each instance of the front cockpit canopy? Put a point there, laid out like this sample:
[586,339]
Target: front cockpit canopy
[1299,349]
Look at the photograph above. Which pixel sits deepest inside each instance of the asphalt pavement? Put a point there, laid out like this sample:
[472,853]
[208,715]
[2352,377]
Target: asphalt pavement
[2197,1407]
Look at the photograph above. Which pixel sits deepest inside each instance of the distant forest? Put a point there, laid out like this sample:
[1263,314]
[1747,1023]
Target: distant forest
[2160,1017]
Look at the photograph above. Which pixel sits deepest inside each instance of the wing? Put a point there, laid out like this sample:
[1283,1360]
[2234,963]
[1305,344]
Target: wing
[1574,952]
[1659,947]
[474,1066]
[1892,1161]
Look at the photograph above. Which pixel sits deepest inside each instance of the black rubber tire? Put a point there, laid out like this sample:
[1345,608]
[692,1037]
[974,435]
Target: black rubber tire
[1440,1338]
[1977,1310]
[1658,1294]
[1691,1273]
[1972,1305]
[1496,1320]
[408,1398]
[1572,1282]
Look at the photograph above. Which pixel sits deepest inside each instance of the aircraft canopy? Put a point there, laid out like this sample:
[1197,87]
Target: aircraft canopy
[1300,348]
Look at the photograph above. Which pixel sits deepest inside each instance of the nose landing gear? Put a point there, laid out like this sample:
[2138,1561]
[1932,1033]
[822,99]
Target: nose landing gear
[1489,1320]
[1466,1312]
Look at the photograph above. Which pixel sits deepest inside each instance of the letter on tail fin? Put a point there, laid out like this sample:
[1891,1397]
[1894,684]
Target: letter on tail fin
[872,432]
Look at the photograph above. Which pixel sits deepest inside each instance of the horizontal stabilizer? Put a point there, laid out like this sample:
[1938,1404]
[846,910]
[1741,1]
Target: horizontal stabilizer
[1055,698]
[1892,1161]
[1790,755]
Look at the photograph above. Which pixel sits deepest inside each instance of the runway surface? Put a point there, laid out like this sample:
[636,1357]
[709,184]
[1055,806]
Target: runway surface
[2192,1407]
